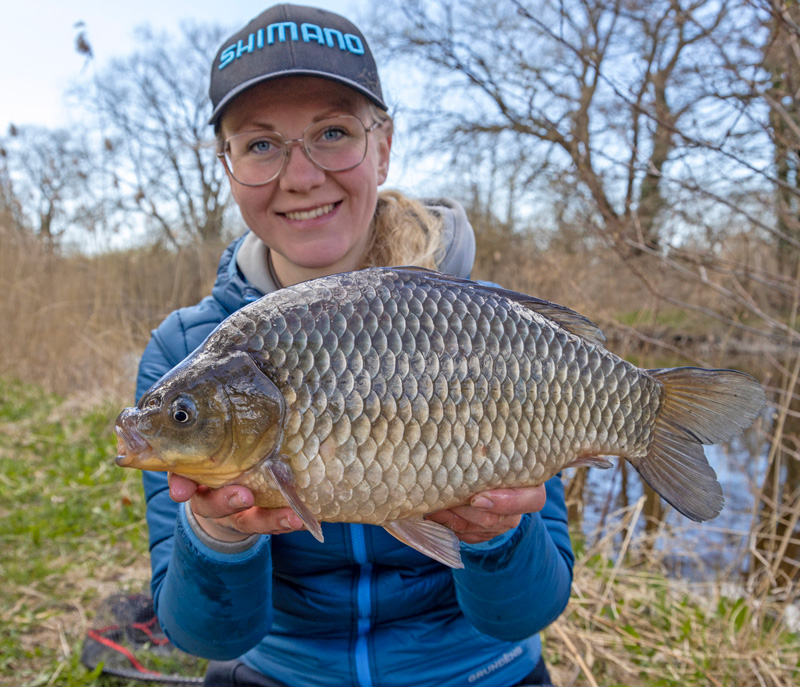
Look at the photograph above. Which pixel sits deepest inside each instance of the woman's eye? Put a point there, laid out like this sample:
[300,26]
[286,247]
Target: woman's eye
[334,134]
[260,146]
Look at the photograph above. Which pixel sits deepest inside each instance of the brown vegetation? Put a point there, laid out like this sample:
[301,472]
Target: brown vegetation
[678,306]
[76,325]
[631,623]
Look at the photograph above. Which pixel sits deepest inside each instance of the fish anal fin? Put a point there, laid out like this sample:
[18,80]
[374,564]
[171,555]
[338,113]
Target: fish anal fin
[283,477]
[430,538]
[591,461]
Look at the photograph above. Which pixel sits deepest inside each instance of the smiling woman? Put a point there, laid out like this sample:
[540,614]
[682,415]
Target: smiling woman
[311,218]
[304,136]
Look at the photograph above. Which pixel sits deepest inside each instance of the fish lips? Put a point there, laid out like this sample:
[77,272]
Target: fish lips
[133,451]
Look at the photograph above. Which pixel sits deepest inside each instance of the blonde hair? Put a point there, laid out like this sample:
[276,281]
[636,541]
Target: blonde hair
[404,232]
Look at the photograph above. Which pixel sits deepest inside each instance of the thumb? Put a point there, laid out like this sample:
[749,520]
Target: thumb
[180,488]
[514,501]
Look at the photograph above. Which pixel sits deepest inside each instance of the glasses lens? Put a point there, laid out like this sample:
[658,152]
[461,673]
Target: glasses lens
[255,157]
[336,143]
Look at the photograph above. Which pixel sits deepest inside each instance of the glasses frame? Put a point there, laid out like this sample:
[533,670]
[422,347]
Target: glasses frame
[287,149]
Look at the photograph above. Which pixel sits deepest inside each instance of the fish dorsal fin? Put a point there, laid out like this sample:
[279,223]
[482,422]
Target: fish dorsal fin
[573,322]
[430,538]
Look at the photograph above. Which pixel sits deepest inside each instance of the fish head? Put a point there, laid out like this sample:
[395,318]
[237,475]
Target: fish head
[210,419]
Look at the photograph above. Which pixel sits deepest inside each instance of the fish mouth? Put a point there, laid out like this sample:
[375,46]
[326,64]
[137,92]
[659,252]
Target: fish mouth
[133,451]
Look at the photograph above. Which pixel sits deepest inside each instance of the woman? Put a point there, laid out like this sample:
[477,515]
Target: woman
[305,139]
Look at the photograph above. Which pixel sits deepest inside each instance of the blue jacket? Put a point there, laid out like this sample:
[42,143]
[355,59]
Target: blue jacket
[362,608]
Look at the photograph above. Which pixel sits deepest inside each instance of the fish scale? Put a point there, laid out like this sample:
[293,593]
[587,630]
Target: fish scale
[383,395]
[465,341]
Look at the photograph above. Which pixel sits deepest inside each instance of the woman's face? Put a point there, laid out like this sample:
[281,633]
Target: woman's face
[314,222]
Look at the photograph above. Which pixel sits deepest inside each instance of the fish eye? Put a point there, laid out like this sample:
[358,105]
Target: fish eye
[183,410]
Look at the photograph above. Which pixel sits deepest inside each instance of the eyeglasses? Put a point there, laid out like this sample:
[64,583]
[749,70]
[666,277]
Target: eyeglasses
[335,144]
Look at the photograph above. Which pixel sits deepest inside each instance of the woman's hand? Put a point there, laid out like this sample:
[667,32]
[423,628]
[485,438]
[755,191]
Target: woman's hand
[491,513]
[228,513]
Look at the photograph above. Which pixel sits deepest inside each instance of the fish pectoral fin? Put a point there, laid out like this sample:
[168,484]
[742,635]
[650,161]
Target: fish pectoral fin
[283,477]
[591,462]
[430,538]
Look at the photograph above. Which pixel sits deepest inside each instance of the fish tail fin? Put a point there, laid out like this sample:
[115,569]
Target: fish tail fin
[699,407]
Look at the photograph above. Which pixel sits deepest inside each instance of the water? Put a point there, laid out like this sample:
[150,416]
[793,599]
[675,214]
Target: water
[697,551]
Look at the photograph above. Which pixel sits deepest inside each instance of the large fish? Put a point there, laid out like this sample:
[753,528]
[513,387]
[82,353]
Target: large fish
[382,395]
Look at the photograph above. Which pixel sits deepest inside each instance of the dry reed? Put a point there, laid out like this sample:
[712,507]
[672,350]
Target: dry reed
[77,325]
[630,624]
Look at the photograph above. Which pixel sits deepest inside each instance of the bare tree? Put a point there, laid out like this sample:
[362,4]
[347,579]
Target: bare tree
[782,63]
[591,91]
[152,108]
[597,90]
[666,130]
[777,551]
[49,175]
[10,208]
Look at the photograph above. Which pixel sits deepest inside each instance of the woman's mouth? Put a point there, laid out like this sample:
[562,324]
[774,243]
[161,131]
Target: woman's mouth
[310,214]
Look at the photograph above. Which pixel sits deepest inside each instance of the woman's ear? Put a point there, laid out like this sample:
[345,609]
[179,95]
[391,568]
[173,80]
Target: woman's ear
[384,141]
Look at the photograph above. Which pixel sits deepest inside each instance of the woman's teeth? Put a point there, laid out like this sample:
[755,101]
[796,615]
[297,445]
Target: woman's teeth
[311,214]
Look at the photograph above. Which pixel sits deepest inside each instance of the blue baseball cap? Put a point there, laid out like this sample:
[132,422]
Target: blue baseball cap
[293,40]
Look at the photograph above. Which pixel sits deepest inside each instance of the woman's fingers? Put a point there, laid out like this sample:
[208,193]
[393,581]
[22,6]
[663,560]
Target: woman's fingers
[491,513]
[180,488]
[228,513]
[219,503]
[514,501]
[266,521]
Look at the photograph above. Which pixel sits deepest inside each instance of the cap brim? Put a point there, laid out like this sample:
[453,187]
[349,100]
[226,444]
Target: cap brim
[242,87]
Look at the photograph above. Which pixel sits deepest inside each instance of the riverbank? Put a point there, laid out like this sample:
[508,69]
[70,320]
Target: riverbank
[72,532]
[72,525]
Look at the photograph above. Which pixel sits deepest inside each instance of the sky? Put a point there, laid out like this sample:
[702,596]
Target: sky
[38,59]
[39,62]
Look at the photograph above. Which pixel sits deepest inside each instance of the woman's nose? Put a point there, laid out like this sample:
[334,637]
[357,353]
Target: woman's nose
[299,173]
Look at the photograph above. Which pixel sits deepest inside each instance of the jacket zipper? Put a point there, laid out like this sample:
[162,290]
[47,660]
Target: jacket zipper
[363,605]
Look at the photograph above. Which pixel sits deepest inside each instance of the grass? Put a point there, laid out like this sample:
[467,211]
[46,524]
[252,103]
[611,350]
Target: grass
[72,532]
[630,624]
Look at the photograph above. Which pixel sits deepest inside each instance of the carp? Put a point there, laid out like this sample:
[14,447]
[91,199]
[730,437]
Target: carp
[382,395]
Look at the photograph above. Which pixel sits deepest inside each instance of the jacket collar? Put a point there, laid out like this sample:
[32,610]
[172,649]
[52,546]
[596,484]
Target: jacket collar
[231,289]
[242,276]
